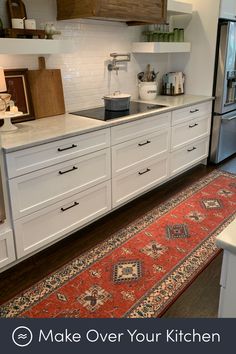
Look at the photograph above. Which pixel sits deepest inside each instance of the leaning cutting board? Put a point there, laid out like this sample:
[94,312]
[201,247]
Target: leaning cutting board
[46,91]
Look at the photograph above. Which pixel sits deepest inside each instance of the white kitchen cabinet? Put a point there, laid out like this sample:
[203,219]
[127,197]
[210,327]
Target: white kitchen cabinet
[7,249]
[227,305]
[227,240]
[189,136]
[49,224]
[189,155]
[66,184]
[61,185]
[137,180]
[57,182]
[140,156]
[228,9]
[140,150]
[142,161]
[190,131]
[32,159]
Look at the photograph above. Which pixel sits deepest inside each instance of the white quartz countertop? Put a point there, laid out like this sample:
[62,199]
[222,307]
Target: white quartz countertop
[227,238]
[53,128]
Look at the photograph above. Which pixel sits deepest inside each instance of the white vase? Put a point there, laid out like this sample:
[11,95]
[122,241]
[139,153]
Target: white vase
[147,90]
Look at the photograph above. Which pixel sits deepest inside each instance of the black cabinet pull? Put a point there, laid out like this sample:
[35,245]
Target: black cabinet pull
[142,144]
[194,111]
[142,173]
[192,126]
[72,169]
[68,148]
[194,148]
[72,206]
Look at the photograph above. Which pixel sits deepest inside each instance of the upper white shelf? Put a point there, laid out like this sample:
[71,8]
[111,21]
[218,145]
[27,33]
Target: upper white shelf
[35,46]
[161,47]
[178,8]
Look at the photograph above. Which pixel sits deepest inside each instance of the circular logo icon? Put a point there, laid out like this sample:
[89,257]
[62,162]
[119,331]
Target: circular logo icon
[22,336]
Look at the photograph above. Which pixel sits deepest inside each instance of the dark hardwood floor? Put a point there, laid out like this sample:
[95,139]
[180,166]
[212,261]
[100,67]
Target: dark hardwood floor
[199,300]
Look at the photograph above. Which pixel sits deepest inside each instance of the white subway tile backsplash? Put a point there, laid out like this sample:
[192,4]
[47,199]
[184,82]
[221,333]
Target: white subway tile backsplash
[84,72]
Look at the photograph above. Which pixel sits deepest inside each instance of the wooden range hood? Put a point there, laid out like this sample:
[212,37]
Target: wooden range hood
[133,12]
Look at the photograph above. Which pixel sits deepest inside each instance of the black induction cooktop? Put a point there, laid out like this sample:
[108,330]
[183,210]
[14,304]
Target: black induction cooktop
[102,114]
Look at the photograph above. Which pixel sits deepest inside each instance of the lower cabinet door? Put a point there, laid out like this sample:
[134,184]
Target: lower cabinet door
[227,304]
[188,156]
[45,226]
[7,249]
[139,179]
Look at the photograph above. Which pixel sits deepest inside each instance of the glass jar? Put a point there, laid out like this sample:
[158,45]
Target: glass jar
[181,35]
[176,34]
[155,37]
[166,37]
[149,35]
[161,37]
[171,37]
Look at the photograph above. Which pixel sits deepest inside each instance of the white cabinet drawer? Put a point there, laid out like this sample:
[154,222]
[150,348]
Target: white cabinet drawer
[190,112]
[32,159]
[132,130]
[39,189]
[45,226]
[135,152]
[136,181]
[7,249]
[189,155]
[184,133]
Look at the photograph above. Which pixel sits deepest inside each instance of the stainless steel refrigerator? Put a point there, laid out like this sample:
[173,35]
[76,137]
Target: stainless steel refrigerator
[223,137]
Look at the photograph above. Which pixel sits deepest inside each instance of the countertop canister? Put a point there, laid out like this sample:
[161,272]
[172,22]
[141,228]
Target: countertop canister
[147,90]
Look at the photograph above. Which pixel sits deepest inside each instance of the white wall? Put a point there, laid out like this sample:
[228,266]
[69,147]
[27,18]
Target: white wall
[85,75]
[84,72]
[201,32]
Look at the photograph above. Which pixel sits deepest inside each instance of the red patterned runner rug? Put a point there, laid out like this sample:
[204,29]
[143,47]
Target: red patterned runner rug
[140,270]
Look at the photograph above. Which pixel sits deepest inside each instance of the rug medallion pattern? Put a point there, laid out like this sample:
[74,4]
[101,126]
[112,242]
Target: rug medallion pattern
[140,270]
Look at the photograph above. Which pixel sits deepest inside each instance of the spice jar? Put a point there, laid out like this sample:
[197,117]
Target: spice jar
[181,35]
[176,34]
[171,37]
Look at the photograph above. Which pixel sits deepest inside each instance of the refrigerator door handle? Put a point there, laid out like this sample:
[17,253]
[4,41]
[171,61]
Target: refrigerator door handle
[231,118]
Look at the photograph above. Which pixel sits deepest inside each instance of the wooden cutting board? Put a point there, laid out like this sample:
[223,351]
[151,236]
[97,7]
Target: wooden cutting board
[46,91]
